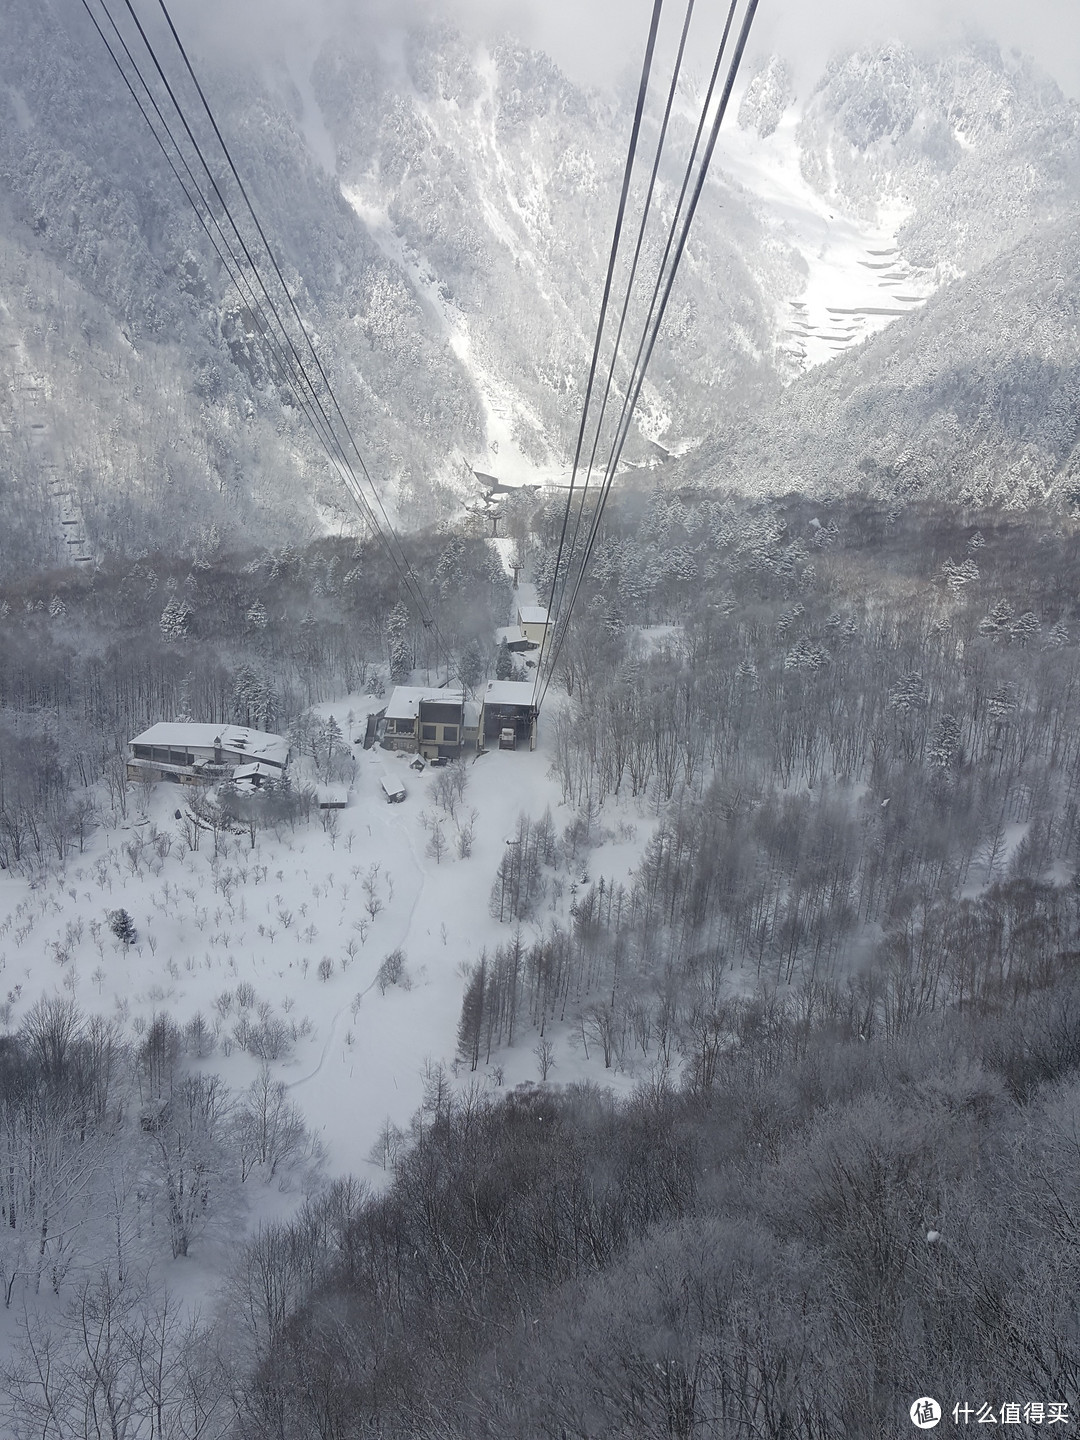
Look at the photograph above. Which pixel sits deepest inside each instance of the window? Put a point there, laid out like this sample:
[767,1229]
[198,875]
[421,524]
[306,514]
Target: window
[449,734]
[428,732]
[142,752]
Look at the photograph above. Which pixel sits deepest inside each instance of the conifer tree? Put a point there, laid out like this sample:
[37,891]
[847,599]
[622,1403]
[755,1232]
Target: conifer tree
[123,927]
[471,1024]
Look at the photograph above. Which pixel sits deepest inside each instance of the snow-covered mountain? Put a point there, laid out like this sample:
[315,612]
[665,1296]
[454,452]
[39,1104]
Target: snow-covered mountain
[975,398]
[896,175]
[443,208]
[968,166]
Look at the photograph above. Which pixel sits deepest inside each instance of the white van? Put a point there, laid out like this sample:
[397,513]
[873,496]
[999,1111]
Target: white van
[393,790]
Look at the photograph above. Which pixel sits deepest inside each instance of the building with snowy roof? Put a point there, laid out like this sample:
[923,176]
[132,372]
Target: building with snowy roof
[509,705]
[424,721]
[515,637]
[252,777]
[534,623]
[192,753]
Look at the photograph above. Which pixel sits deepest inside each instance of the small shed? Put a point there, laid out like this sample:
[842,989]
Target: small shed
[515,637]
[251,777]
[332,797]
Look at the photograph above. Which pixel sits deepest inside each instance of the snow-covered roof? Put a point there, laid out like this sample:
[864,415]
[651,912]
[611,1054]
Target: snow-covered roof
[512,634]
[332,797]
[509,692]
[533,614]
[197,735]
[251,772]
[404,702]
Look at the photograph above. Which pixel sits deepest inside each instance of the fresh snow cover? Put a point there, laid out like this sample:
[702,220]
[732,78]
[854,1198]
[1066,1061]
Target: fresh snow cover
[509,692]
[533,614]
[404,702]
[258,771]
[268,915]
[30,392]
[504,547]
[237,739]
[857,280]
[312,121]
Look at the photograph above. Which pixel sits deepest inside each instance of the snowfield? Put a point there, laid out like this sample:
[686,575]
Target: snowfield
[290,934]
[856,278]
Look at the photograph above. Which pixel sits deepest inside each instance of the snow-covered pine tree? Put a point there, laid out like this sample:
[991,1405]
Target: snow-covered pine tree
[174,619]
[123,927]
[397,643]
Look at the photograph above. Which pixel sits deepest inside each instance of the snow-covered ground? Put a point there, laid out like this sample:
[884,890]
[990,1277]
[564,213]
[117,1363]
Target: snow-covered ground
[267,916]
[857,279]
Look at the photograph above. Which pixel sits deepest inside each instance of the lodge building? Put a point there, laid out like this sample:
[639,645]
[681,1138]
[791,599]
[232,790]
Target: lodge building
[194,753]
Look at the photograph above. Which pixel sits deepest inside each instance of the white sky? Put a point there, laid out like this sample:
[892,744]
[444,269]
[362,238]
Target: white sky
[596,40]
[807,33]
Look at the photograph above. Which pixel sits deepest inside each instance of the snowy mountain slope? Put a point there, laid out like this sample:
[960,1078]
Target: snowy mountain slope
[443,210]
[973,398]
[895,175]
[492,178]
[853,279]
[977,145]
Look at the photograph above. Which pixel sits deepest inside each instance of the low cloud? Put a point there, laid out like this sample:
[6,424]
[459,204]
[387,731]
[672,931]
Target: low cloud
[1047,30]
[597,41]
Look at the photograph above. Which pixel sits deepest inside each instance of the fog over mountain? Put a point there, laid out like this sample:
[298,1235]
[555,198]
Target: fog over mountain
[443,204]
[594,44]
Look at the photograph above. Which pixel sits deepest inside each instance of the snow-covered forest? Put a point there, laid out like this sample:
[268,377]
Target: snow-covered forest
[708,1067]
[755,975]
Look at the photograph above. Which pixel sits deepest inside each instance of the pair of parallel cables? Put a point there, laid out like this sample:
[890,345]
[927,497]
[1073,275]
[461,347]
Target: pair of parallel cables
[247,258]
[575,548]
